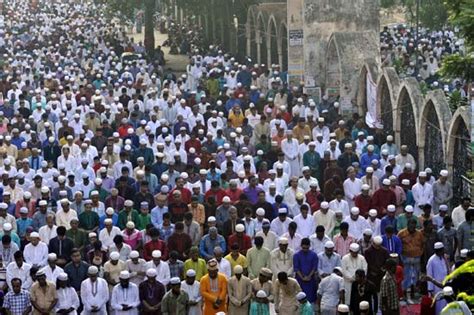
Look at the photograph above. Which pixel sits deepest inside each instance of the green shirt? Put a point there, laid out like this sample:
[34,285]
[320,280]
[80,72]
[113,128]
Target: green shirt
[124,217]
[173,304]
[259,309]
[306,309]
[256,260]
[79,237]
[143,221]
[88,220]
[199,266]
[402,222]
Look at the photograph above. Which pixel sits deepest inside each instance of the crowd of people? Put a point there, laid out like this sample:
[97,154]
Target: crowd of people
[220,191]
[421,55]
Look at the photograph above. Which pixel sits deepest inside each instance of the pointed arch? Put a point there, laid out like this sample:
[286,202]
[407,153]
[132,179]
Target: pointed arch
[284,46]
[407,121]
[273,41]
[261,37]
[361,98]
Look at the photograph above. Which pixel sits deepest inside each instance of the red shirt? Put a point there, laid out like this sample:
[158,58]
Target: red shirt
[381,199]
[364,203]
[313,201]
[245,242]
[196,144]
[185,195]
[123,131]
[234,195]
[155,245]
[218,195]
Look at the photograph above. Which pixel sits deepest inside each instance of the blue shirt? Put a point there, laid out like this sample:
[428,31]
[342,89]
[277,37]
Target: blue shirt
[102,219]
[393,244]
[207,245]
[157,216]
[386,221]
[22,225]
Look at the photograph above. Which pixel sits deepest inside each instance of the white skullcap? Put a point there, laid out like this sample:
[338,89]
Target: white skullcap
[151,273]
[444,173]
[378,240]
[93,270]
[438,245]
[409,208]
[365,187]
[114,256]
[343,308]
[238,269]
[386,182]
[240,228]
[260,212]
[134,254]
[391,208]
[373,213]
[355,210]
[301,296]
[354,247]
[329,244]
[368,232]
[190,273]
[364,305]
[261,294]
[124,274]
[156,254]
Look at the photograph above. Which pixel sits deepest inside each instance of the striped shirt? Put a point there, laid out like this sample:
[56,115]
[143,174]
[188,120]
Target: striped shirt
[17,303]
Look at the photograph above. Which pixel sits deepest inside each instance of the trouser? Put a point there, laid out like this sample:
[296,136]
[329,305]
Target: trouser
[411,271]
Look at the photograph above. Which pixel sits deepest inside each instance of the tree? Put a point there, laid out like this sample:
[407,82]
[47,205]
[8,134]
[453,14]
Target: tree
[433,13]
[461,14]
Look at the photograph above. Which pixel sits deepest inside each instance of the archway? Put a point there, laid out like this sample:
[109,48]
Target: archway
[407,123]
[333,69]
[261,35]
[385,106]
[362,92]
[284,46]
[252,36]
[433,144]
[273,41]
[458,153]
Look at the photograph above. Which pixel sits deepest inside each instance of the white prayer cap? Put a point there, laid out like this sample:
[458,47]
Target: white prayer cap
[190,273]
[389,138]
[130,225]
[175,280]
[260,211]
[408,165]
[422,174]
[156,254]
[364,305]
[7,226]
[22,210]
[348,145]
[44,190]
[324,205]
[108,221]
[134,254]
[409,208]
[329,244]
[369,169]
[313,183]
[62,276]
[261,294]
[114,256]
[27,195]
[92,234]
[378,240]
[238,269]
[93,270]
[239,228]
[438,245]
[282,211]
[444,173]
[226,199]
[343,308]
[463,252]
[34,234]
[373,213]
[448,291]
[301,296]
[211,219]
[428,170]
[354,247]
[109,211]
[128,203]
[443,208]
[406,182]
[391,208]
[384,152]
[151,273]
[365,187]
[355,210]
[370,148]
[124,274]
[386,182]
[283,241]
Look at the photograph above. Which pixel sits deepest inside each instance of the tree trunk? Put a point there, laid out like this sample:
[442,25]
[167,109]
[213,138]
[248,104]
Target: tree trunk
[149,41]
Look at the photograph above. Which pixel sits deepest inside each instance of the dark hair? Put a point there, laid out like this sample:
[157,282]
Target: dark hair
[118,239]
[18,255]
[282,276]
[320,228]
[305,241]
[360,272]
[6,239]
[344,226]
[447,219]
[61,230]
[179,226]
[258,241]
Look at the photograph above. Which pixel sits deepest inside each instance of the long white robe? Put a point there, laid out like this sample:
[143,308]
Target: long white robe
[437,268]
[100,299]
[67,297]
[280,261]
[352,188]
[128,296]
[194,294]
[349,266]
[357,227]
[423,194]
[291,150]
[162,271]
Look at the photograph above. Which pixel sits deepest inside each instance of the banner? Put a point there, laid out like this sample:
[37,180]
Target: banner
[372,117]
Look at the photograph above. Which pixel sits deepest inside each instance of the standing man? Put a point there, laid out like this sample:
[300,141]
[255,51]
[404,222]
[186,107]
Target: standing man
[388,290]
[285,290]
[175,301]
[18,300]
[125,297]
[192,288]
[437,268]
[239,289]
[305,264]
[331,292]
[43,295]
[214,289]
[290,148]
[350,263]
[412,250]
[94,293]
[151,293]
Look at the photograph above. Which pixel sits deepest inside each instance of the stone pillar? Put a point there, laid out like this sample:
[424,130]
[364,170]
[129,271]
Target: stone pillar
[258,39]
[248,36]
[280,52]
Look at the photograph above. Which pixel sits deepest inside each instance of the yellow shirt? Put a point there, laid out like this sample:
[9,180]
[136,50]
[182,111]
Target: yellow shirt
[241,260]
[236,120]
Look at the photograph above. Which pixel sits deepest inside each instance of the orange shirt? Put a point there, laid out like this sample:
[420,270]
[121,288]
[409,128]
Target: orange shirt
[412,244]
[209,296]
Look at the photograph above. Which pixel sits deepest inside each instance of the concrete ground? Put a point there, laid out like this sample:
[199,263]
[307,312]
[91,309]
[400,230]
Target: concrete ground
[177,63]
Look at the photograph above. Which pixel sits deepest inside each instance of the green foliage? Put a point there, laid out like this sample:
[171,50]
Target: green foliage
[122,9]
[387,4]
[455,101]
[433,13]
[456,66]
[461,13]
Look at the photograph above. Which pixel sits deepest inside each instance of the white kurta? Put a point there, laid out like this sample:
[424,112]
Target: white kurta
[52,275]
[94,294]
[291,149]
[328,220]
[194,294]
[128,296]
[349,266]
[352,188]
[36,255]
[67,298]
[423,194]
[280,261]
[280,227]
[162,271]
[340,205]
[306,226]
[357,227]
